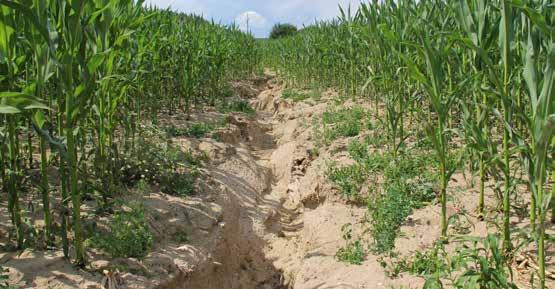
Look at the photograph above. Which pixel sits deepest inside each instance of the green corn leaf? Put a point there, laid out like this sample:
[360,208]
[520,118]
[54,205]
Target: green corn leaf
[16,102]
[28,13]
[95,61]
[6,109]
[39,118]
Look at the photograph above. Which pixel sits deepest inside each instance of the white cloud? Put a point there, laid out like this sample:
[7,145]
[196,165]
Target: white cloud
[249,20]
[298,12]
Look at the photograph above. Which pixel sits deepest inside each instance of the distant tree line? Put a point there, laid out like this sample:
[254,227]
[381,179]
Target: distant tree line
[281,30]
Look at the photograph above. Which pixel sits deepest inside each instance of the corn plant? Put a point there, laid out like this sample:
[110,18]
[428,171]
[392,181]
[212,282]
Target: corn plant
[475,19]
[433,77]
[540,81]
[76,78]
[487,63]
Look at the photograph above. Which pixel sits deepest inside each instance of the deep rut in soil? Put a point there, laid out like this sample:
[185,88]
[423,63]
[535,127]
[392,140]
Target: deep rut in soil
[247,178]
[282,221]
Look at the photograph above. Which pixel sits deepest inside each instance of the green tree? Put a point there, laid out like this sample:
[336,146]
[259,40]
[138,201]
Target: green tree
[282,30]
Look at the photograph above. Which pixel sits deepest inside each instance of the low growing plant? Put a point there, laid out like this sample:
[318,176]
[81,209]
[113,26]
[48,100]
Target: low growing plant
[129,235]
[160,163]
[345,122]
[353,252]
[349,179]
[236,105]
[405,189]
[295,95]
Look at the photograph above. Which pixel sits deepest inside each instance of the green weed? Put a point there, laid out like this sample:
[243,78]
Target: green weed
[476,264]
[163,164]
[358,151]
[180,184]
[128,236]
[142,187]
[429,262]
[349,179]
[181,237]
[199,130]
[345,122]
[406,187]
[388,213]
[236,105]
[353,252]
[314,152]
[196,130]
[295,95]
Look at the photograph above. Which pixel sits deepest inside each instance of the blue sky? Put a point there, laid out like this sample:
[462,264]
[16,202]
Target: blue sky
[261,14]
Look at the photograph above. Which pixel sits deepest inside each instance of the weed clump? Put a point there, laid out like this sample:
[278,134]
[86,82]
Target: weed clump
[129,235]
[344,122]
[353,252]
[159,163]
[297,96]
[476,263]
[408,183]
[196,130]
[236,105]
[404,190]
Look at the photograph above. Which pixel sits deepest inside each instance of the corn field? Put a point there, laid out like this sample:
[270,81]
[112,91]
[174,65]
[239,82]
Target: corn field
[480,68]
[76,78]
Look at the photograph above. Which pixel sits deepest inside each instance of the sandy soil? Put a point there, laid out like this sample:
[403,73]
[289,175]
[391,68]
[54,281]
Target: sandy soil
[264,218]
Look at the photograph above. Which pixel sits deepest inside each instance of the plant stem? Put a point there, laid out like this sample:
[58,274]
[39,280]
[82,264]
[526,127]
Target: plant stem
[14,170]
[45,193]
[481,204]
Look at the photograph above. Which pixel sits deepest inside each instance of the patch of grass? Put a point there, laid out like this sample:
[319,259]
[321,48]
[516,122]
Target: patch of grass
[409,183]
[196,130]
[353,252]
[344,122]
[181,237]
[199,129]
[159,163]
[411,165]
[314,152]
[388,213]
[173,131]
[180,184]
[295,95]
[143,187]
[422,263]
[236,105]
[349,114]
[477,263]
[181,181]
[358,151]
[376,139]
[429,262]
[129,235]
[349,179]
[405,189]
